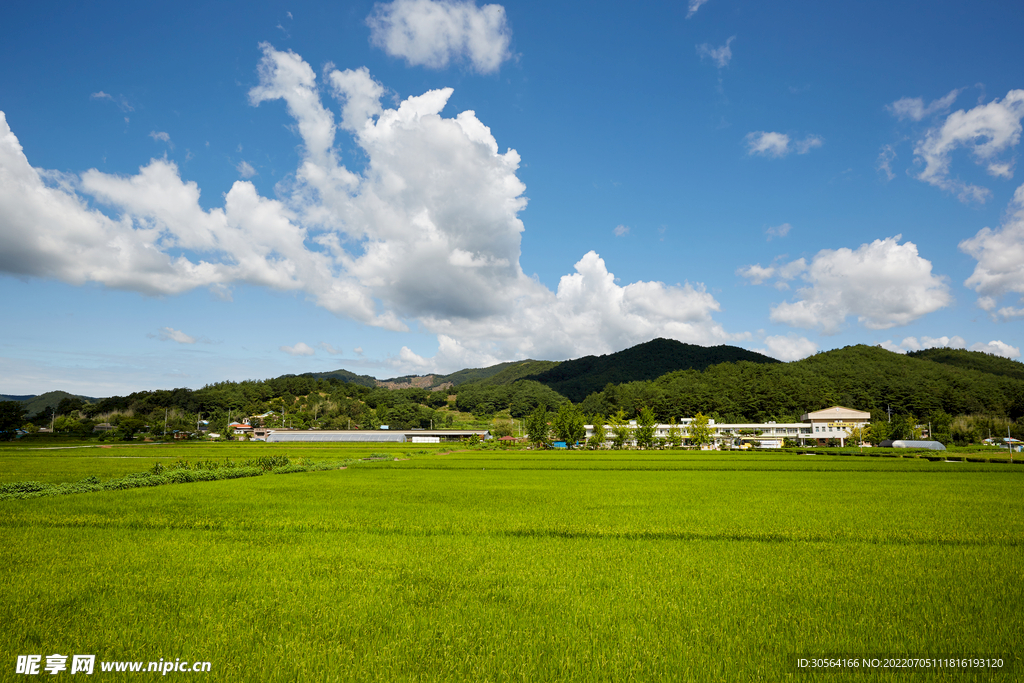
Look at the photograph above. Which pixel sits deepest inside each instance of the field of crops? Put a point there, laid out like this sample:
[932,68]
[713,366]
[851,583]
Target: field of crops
[518,565]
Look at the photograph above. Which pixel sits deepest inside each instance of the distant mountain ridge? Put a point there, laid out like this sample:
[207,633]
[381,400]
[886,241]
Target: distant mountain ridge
[432,381]
[33,403]
[847,371]
[577,379]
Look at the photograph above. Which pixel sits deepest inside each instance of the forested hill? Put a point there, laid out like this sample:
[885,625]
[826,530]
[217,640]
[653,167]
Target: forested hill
[577,379]
[860,377]
[33,404]
[344,376]
[514,369]
[972,360]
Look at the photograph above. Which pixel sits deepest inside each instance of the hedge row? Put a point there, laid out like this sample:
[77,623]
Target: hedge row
[180,472]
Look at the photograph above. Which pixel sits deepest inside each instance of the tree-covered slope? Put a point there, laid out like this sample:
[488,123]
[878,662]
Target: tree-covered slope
[578,378]
[51,399]
[345,376]
[519,370]
[972,360]
[502,373]
[860,377]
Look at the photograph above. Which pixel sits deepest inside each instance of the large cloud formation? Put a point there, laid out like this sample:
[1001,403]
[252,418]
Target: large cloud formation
[428,231]
[883,284]
[1000,256]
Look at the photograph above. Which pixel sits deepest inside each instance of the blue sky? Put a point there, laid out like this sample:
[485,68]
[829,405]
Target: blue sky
[198,192]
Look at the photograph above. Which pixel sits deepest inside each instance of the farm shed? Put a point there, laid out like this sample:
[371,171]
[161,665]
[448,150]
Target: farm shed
[904,443]
[324,435]
[373,435]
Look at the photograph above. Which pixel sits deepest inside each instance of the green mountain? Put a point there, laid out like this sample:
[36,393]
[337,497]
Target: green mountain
[524,369]
[44,402]
[492,374]
[344,376]
[576,379]
[972,360]
[861,377]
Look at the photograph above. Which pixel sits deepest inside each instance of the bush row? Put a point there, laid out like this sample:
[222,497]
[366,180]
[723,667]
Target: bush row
[181,472]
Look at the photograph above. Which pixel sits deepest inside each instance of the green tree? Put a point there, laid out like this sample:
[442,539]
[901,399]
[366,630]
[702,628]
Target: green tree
[11,417]
[501,427]
[878,432]
[941,426]
[569,424]
[700,432]
[645,428]
[621,433]
[537,426]
[857,436]
[675,435]
[902,427]
[599,436]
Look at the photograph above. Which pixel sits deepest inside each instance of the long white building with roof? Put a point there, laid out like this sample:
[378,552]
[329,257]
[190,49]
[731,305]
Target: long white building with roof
[817,428]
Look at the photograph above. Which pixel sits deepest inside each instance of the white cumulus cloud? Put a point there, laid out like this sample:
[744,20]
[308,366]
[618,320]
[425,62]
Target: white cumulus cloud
[915,344]
[997,348]
[986,131]
[433,33]
[435,196]
[300,349]
[883,284]
[1000,256]
[788,347]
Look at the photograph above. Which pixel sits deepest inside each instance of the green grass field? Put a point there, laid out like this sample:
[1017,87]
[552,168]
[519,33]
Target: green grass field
[517,566]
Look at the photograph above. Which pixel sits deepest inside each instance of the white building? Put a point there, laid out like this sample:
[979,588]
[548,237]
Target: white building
[817,427]
[836,422]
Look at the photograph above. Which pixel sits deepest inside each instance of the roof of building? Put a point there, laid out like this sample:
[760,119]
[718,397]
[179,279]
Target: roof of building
[837,413]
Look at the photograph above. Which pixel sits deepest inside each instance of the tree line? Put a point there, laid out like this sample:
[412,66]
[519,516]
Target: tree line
[964,395]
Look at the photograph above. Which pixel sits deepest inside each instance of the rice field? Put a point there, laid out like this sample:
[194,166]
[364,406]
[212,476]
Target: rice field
[520,566]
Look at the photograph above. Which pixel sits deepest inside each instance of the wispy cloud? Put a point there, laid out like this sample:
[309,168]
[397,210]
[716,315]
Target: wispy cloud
[245,169]
[720,55]
[915,109]
[121,101]
[162,137]
[778,231]
[885,158]
[987,131]
[171,334]
[778,145]
[694,6]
